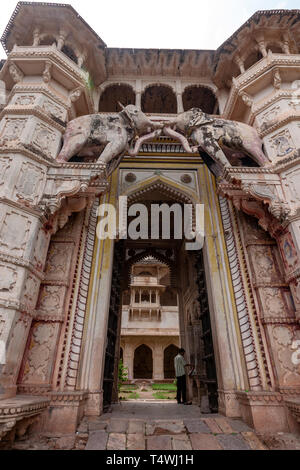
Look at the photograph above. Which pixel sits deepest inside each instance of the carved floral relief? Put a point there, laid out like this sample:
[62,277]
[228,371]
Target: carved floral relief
[52,108]
[8,280]
[45,139]
[273,303]
[51,300]
[38,365]
[284,337]
[263,263]
[12,131]
[58,261]
[25,100]
[31,291]
[14,233]
[29,186]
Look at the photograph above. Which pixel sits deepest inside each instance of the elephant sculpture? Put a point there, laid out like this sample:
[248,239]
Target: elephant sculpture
[216,139]
[111,135]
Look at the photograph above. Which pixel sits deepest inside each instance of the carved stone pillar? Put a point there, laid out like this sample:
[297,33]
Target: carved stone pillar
[179,103]
[138,94]
[240,63]
[158,362]
[32,186]
[128,355]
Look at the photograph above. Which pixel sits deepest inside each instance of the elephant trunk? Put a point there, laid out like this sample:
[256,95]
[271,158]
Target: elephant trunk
[170,132]
[134,151]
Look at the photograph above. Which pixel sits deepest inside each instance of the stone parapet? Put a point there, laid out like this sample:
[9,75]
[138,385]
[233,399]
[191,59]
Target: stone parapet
[17,411]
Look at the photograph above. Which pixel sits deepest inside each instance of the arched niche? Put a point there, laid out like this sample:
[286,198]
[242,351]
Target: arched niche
[169,297]
[169,353]
[47,40]
[69,52]
[274,47]
[159,99]
[113,94]
[252,58]
[200,97]
[143,362]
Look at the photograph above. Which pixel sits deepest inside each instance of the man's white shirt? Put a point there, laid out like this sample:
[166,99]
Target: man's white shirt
[179,363]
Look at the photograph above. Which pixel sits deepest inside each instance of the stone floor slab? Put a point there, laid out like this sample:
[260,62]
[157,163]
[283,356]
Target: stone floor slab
[159,443]
[233,442]
[238,425]
[211,423]
[136,427]
[204,441]
[117,425]
[97,426]
[164,427]
[97,440]
[253,441]
[181,442]
[116,441]
[135,442]
[224,425]
[196,426]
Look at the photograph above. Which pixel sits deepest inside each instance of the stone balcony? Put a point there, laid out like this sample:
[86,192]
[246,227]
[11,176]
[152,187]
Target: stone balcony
[19,412]
[144,281]
[260,76]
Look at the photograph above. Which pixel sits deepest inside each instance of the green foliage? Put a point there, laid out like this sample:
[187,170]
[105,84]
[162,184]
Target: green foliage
[163,396]
[133,395]
[169,387]
[128,387]
[89,82]
[123,374]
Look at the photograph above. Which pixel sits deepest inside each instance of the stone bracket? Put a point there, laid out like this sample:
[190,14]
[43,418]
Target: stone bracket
[258,192]
[67,180]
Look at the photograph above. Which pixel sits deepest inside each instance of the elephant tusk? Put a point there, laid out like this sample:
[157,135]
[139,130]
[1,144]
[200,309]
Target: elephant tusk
[133,152]
[181,138]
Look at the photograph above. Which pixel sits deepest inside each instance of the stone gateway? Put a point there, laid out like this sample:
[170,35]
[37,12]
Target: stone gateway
[83,125]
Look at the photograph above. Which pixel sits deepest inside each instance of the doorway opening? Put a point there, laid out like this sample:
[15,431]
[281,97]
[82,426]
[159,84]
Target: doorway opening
[159,302]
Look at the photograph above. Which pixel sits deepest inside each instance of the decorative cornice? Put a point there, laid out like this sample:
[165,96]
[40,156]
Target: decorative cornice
[17,305]
[262,398]
[21,406]
[60,59]
[28,152]
[32,111]
[294,408]
[279,320]
[33,211]
[40,88]
[24,263]
[283,119]
[68,398]
[257,285]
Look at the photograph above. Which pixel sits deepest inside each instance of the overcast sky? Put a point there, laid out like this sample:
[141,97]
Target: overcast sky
[164,24]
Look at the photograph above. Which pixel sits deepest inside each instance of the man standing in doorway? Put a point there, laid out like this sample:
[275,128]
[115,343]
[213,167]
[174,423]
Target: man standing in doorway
[180,365]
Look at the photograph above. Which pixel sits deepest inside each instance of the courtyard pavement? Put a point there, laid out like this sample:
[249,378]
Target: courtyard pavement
[141,425]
